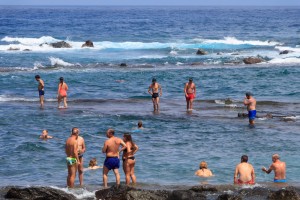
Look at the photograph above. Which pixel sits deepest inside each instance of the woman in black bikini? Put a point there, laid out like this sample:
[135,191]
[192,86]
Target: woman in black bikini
[128,158]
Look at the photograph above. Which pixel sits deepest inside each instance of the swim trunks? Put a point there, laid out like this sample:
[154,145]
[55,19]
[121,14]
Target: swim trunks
[190,96]
[41,92]
[279,180]
[71,161]
[248,182]
[112,163]
[80,155]
[155,95]
[252,114]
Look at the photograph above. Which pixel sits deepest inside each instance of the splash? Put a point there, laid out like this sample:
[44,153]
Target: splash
[59,62]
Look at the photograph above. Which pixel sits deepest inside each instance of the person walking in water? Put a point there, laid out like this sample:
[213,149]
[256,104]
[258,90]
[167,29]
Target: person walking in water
[62,92]
[190,94]
[250,102]
[279,168]
[112,161]
[156,91]
[244,172]
[128,158]
[72,159]
[40,89]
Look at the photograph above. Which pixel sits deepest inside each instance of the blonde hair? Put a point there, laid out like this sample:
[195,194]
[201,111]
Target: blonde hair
[93,162]
[203,165]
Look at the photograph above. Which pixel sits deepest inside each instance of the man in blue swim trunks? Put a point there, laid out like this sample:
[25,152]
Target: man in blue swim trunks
[112,161]
[279,168]
[40,89]
[250,102]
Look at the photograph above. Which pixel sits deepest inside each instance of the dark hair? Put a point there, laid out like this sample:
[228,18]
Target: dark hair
[244,158]
[191,79]
[140,124]
[112,131]
[154,80]
[61,78]
[37,76]
[128,138]
[248,94]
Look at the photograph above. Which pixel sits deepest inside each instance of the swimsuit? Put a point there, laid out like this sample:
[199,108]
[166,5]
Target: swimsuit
[248,182]
[80,155]
[71,161]
[190,96]
[131,157]
[279,180]
[62,92]
[252,114]
[41,92]
[155,95]
[112,163]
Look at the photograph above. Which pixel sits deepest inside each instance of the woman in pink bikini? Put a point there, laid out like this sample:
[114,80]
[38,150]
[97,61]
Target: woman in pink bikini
[62,92]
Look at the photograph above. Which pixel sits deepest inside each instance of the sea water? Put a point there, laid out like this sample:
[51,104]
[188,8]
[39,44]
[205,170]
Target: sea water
[158,42]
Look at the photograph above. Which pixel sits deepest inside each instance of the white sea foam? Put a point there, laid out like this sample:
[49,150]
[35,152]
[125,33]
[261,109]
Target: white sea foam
[220,102]
[59,62]
[291,49]
[173,52]
[291,60]
[234,41]
[30,41]
[79,193]
[5,98]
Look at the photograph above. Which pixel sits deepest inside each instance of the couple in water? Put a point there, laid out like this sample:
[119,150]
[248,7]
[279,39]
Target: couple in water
[61,92]
[155,91]
[112,150]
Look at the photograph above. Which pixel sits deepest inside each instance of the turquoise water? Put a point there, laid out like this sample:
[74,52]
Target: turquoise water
[104,95]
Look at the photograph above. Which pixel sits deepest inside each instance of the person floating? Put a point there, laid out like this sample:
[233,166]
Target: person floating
[71,149]
[128,158]
[279,168]
[156,91]
[93,164]
[203,171]
[45,135]
[40,89]
[250,102]
[111,149]
[190,94]
[62,92]
[244,172]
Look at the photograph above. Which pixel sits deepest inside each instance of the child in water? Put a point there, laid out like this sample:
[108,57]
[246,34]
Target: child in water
[45,135]
[203,171]
[93,164]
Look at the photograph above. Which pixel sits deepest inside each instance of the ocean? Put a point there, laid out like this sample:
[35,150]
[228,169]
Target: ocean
[158,42]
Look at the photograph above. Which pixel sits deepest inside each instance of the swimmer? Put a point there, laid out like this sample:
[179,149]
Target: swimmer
[190,94]
[62,92]
[45,135]
[40,89]
[93,164]
[203,171]
[156,91]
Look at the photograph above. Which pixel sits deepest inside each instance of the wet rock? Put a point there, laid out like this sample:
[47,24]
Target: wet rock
[114,192]
[123,65]
[13,49]
[285,194]
[204,188]
[38,193]
[197,63]
[242,115]
[219,53]
[186,195]
[229,197]
[26,50]
[61,44]
[88,43]
[201,52]
[235,54]
[148,195]
[285,52]
[252,60]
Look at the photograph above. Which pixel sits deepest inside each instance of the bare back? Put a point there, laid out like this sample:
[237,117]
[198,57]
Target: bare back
[154,87]
[245,171]
[189,88]
[81,145]
[71,147]
[111,147]
[41,84]
[279,169]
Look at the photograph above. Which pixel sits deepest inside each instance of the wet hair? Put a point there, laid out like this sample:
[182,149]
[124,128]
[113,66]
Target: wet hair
[154,80]
[244,158]
[37,76]
[45,130]
[61,78]
[128,138]
[75,131]
[112,131]
[93,162]
[203,165]
[140,124]
[191,79]
[248,94]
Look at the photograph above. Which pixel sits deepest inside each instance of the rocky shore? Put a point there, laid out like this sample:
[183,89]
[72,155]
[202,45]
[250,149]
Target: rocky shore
[203,192]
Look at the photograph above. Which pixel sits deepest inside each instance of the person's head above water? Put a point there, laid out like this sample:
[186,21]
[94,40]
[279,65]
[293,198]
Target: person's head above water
[249,94]
[203,165]
[153,80]
[140,124]
[244,158]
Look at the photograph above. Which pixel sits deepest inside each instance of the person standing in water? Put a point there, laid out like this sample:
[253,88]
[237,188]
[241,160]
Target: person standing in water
[279,168]
[190,93]
[250,102]
[244,172]
[62,92]
[128,158]
[155,90]
[81,151]
[40,89]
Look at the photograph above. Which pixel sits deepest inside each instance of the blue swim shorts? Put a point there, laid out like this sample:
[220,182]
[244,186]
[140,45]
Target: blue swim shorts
[41,92]
[112,163]
[252,114]
[279,180]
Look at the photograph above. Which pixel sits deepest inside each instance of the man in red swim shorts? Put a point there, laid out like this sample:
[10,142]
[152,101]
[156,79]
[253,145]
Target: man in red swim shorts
[190,93]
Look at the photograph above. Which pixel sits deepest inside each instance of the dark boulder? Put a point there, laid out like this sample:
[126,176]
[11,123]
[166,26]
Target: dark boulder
[61,44]
[252,60]
[88,43]
[186,195]
[285,52]
[26,50]
[38,193]
[201,52]
[13,49]
[288,193]
[229,197]
[123,65]
[242,115]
